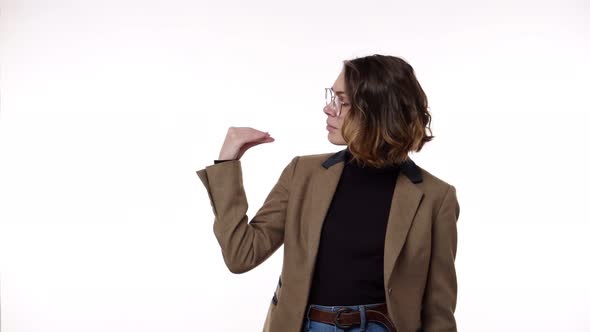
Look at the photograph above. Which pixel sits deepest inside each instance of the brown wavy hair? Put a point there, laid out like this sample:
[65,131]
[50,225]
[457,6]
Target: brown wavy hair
[388,117]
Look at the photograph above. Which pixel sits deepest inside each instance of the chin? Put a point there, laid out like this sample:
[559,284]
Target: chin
[336,141]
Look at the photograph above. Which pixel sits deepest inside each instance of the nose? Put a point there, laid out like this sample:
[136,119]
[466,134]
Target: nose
[328,110]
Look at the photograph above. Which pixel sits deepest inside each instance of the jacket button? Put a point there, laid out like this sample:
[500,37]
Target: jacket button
[389,290]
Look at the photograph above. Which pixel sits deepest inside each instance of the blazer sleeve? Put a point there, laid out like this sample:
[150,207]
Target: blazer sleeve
[245,245]
[440,297]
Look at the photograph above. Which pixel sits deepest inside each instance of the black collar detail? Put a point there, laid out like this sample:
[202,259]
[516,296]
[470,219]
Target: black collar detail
[408,167]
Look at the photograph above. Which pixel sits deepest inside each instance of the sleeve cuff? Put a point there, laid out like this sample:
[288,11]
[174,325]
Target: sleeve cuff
[217,161]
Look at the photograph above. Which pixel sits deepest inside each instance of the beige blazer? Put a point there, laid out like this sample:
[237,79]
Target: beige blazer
[420,242]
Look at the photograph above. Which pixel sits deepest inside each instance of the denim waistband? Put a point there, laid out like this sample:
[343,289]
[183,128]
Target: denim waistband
[336,307]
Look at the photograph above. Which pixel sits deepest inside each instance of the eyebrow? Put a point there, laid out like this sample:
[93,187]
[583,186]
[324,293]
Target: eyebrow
[338,92]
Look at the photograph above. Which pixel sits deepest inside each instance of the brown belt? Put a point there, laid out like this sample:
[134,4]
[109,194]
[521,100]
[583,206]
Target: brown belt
[345,317]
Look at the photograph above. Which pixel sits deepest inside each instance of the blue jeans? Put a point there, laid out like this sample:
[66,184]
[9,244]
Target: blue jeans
[365,326]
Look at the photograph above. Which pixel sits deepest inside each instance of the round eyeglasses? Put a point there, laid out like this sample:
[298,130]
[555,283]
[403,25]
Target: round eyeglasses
[333,100]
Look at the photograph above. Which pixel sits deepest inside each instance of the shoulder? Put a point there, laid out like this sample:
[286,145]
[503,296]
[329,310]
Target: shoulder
[317,158]
[433,180]
[312,161]
[436,189]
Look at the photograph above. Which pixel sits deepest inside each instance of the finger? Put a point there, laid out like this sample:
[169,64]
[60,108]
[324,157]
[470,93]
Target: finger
[257,134]
[264,140]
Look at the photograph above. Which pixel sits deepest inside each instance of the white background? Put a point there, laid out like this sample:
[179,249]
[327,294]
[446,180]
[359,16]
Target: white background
[108,108]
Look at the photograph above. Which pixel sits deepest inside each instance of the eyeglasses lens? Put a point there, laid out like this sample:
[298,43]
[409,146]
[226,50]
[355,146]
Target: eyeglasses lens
[332,100]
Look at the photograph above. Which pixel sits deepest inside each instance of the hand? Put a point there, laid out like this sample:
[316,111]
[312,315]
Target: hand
[239,139]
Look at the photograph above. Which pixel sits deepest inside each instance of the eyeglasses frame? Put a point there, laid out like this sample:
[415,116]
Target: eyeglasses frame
[333,96]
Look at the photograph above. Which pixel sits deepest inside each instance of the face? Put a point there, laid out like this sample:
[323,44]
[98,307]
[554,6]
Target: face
[334,124]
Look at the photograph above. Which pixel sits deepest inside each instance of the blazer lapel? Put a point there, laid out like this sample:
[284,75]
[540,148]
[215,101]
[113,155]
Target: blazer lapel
[404,204]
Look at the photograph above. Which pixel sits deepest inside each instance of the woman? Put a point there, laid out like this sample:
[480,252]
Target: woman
[357,257]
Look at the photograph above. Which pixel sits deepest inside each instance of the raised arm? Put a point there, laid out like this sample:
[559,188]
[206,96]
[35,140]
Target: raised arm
[245,245]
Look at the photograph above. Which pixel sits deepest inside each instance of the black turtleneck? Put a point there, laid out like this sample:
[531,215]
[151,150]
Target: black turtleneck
[349,264]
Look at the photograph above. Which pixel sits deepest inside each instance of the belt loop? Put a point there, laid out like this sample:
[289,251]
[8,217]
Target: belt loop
[308,327]
[363,311]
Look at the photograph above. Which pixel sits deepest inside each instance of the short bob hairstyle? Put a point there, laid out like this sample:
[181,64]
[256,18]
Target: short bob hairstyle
[388,116]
